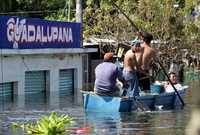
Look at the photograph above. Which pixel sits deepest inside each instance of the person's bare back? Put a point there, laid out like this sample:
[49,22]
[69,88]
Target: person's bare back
[130,74]
[148,55]
[130,62]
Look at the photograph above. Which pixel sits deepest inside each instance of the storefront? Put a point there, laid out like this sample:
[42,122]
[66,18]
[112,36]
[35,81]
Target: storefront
[39,56]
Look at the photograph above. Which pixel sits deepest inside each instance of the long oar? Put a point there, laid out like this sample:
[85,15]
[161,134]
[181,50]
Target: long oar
[136,30]
[183,104]
[141,105]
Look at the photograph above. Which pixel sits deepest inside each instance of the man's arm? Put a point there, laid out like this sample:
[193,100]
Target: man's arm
[120,75]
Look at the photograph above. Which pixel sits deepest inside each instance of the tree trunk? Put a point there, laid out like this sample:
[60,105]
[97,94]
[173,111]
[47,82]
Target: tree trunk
[79,18]
[79,11]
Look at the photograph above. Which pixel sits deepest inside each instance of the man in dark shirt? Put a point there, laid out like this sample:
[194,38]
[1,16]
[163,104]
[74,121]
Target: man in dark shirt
[106,75]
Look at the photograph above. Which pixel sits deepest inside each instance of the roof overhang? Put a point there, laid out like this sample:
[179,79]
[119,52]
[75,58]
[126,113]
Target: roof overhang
[47,51]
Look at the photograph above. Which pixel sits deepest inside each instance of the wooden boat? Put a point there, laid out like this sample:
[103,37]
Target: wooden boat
[96,103]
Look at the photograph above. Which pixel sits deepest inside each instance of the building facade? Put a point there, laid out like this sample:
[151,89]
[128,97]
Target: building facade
[39,56]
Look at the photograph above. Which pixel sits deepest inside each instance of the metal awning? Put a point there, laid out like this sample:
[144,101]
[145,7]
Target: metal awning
[47,51]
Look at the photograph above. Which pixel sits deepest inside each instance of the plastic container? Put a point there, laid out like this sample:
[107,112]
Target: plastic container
[155,88]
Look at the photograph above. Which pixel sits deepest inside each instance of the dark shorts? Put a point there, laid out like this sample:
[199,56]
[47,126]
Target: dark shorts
[115,92]
[144,80]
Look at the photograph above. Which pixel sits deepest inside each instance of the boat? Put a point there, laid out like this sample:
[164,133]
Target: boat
[164,100]
[93,102]
[96,103]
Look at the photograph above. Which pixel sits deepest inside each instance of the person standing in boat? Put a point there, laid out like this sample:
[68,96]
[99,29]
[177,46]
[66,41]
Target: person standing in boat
[148,55]
[106,75]
[131,63]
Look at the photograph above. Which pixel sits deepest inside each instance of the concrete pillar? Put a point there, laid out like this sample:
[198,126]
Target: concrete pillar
[54,88]
[20,91]
[79,84]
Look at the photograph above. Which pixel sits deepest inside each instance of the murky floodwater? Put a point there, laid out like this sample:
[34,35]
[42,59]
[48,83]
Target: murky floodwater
[169,122]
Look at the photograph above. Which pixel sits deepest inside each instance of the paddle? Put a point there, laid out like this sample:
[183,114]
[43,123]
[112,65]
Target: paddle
[135,29]
[141,105]
[183,104]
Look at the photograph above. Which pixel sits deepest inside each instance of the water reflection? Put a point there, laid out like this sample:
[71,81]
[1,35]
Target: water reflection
[134,123]
[130,123]
[154,123]
[193,126]
[103,123]
[6,103]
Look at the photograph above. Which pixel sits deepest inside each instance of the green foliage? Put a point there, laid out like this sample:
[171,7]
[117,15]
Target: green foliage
[29,5]
[160,17]
[52,125]
[64,13]
[101,19]
[59,16]
[8,5]
[39,8]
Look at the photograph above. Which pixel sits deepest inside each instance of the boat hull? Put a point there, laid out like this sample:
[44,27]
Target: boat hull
[96,103]
[165,100]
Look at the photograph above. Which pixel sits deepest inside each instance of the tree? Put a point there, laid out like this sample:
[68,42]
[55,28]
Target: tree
[165,19]
[8,5]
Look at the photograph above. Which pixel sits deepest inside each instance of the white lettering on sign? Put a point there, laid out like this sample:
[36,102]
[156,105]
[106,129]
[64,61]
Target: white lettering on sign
[20,32]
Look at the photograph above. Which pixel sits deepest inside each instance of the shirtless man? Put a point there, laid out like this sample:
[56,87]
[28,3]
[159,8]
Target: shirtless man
[130,70]
[148,55]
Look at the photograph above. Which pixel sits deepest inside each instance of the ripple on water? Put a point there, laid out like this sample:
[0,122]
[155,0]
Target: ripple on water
[148,123]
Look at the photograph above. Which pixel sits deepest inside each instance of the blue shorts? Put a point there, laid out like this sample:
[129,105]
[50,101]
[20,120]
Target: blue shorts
[131,78]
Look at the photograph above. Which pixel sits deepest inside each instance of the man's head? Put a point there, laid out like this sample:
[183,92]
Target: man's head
[146,37]
[173,77]
[108,57]
[135,42]
[135,45]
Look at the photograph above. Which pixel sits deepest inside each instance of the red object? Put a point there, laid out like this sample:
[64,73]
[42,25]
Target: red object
[83,130]
[108,56]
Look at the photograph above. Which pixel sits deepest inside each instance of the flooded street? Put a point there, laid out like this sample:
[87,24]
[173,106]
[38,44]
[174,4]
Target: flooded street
[134,123]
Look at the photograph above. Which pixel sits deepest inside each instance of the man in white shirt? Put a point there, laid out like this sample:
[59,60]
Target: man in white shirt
[168,87]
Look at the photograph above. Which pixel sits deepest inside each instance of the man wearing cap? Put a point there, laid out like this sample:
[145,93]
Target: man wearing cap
[131,65]
[106,75]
